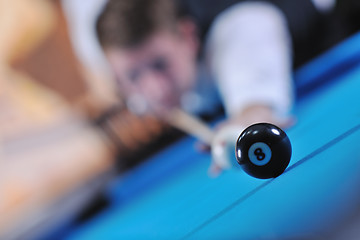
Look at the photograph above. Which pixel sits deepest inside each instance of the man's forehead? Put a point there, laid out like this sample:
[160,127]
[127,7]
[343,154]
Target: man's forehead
[157,43]
[120,55]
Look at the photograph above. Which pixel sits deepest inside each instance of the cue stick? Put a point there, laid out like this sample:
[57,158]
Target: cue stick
[191,125]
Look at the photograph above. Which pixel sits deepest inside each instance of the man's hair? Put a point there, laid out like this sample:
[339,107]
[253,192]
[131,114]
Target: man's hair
[127,23]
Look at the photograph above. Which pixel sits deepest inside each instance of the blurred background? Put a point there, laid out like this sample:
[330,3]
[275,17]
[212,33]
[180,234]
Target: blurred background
[65,131]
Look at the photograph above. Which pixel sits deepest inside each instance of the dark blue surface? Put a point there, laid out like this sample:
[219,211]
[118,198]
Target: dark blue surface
[327,67]
[172,197]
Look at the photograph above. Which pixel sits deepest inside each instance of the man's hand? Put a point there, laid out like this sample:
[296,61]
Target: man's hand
[227,132]
[258,113]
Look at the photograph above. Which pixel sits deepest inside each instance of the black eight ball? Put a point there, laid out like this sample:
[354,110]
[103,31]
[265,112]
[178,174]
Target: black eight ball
[263,150]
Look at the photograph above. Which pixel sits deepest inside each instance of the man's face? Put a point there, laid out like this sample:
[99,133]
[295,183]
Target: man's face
[160,70]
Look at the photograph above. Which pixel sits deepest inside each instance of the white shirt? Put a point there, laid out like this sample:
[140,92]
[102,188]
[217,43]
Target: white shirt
[249,53]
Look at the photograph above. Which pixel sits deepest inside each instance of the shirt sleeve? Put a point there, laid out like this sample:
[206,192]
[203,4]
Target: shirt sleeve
[249,54]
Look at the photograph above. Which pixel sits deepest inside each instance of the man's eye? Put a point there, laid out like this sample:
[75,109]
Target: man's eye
[159,64]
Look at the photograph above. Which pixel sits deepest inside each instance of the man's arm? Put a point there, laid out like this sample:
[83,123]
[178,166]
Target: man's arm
[250,56]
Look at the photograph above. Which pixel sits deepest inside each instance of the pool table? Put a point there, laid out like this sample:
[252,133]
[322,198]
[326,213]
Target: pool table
[171,196]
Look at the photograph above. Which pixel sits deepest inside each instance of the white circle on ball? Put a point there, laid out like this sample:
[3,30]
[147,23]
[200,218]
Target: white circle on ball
[259,153]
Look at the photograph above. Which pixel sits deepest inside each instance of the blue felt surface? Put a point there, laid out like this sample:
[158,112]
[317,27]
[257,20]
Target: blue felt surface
[332,64]
[172,197]
[306,201]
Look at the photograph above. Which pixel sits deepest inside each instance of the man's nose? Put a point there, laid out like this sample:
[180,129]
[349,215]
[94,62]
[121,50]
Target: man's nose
[156,85]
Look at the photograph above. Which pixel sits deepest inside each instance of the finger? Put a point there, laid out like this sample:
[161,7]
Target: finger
[214,170]
[223,145]
[202,147]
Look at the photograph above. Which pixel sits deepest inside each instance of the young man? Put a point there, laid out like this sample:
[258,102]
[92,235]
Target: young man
[154,47]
